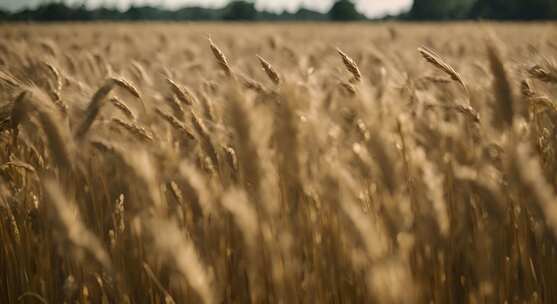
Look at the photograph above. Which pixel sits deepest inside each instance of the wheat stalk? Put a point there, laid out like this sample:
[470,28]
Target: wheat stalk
[174,122]
[182,95]
[99,100]
[538,72]
[268,68]
[57,79]
[503,90]
[351,66]
[221,59]
[135,130]
[126,86]
[93,109]
[72,226]
[436,60]
[120,105]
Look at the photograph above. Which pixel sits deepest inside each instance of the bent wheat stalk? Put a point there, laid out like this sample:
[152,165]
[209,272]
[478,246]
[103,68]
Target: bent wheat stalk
[436,60]
[502,87]
[179,92]
[120,105]
[545,75]
[98,101]
[135,130]
[268,68]
[221,59]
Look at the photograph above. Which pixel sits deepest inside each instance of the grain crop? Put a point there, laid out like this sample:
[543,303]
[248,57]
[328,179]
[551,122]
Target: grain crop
[278,163]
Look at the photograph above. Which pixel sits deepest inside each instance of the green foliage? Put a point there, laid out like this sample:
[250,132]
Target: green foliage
[240,10]
[440,9]
[236,10]
[515,9]
[484,9]
[344,10]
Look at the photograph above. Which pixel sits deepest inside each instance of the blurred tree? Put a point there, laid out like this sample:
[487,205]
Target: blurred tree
[440,9]
[344,10]
[240,10]
[146,13]
[305,14]
[515,9]
[57,11]
[196,13]
[494,9]
[538,9]
[488,9]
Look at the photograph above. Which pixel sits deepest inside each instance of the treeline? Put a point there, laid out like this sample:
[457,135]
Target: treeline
[482,9]
[342,10]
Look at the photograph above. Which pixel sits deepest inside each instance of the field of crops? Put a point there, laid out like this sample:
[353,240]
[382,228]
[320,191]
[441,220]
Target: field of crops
[292,163]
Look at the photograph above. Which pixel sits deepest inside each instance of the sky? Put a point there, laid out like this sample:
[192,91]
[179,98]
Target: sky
[371,8]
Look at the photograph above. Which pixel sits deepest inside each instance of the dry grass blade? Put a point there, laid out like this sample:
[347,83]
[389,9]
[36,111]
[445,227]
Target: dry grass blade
[351,66]
[80,238]
[531,174]
[268,68]
[231,158]
[19,109]
[436,60]
[502,88]
[32,295]
[543,101]
[18,164]
[169,241]
[58,143]
[94,108]
[167,297]
[9,79]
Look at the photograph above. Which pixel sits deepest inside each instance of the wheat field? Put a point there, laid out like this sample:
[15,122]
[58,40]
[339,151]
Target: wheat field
[291,163]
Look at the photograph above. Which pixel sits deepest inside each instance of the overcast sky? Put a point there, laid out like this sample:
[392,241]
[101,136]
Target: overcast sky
[369,7]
